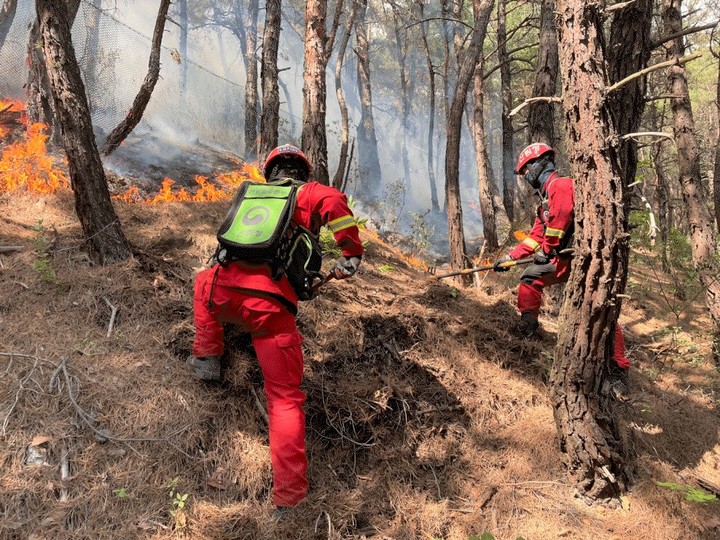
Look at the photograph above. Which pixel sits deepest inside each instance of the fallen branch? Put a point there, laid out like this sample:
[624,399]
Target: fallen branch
[259,406]
[11,249]
[113,313]
[647,134]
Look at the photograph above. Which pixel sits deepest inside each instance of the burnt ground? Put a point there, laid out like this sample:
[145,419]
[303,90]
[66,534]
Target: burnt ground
[426,416]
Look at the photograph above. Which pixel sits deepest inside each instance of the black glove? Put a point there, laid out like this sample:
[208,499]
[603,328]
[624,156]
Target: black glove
[497,266]
[346,267]
[541,258]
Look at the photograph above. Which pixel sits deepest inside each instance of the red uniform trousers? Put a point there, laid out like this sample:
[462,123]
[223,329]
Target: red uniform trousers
[530,299]
[277,343]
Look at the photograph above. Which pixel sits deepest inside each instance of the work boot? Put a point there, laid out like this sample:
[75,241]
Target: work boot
[281,513]
[206,368]
[619,380]
[528,325]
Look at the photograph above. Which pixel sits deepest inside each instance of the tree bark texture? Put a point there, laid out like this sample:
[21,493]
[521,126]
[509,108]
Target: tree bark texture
[8,9]
[484,179]
[124,128]
[340,94]
[92,199]
[541,124]
[716,168]
[251,82]
[269,119]
[628,53]
[314,135]
[368,158]
[431,113]
[453,202]
[581,402]
[702,237]
[508,143]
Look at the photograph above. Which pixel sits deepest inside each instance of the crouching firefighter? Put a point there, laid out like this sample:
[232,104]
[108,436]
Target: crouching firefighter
[548,243]
[259,276]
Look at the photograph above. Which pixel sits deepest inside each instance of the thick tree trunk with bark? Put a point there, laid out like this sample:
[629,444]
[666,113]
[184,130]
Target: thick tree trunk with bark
[628,53]
[702,237]
[92,199]
[368,159]
[541,124]
[716,168]
[124,128]
[508,135]
[453,202]
[251,83]
[431,113]
[8,9]
[581,402]
[314,135]
[345,129]
[269,119]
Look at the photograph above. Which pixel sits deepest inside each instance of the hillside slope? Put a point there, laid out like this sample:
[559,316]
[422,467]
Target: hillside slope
[426,417]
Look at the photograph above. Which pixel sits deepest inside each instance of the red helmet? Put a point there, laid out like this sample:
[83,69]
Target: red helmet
[284,152]
[531,153]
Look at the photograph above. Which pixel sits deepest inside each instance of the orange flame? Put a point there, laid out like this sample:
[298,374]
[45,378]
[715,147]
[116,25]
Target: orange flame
[12,104]
[26,164]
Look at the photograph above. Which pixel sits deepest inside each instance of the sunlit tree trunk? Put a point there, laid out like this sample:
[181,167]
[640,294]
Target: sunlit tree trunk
[133,117]
[97,217]
[541,124]
[702,238]
[345,130]
[7,15]
[431,113]
[368,159]
[581,401]
[453,202]
[716,168]
[269,119]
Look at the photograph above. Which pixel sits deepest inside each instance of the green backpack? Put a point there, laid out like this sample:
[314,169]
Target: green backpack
[259,228]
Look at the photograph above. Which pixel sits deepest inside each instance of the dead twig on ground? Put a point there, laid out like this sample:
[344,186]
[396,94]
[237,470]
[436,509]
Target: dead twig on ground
[259,406]
[11,249]
[113,313]
[25,379]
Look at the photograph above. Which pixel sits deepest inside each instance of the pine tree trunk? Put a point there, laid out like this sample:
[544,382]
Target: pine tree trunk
[586,427]
[716,168]
[435,205]
[628,53]
[92,199]
[8,9]
[453,202]
[342,104]
[485,181]
[541,124]
[124,128]
[314,136]
[702,237]
[269,119]
[401,44]
[368,158]
[251,83]
[508,135]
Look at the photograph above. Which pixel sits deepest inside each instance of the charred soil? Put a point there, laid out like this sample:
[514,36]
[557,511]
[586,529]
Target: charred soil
[426,416]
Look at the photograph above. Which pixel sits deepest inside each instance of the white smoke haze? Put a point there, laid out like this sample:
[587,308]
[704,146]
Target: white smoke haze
[208,110]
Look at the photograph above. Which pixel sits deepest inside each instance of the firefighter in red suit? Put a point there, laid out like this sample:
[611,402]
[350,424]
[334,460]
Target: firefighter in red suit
[548,243]
[245,294]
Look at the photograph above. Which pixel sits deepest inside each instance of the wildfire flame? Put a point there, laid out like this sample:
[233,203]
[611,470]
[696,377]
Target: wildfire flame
[25,164]
[12,105]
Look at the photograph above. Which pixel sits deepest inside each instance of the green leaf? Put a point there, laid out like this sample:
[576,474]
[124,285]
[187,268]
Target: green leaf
[699,496]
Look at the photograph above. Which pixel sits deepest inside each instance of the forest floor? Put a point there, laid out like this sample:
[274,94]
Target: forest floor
[427,418]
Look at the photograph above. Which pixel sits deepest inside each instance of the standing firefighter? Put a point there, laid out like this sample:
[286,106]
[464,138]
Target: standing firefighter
[258,288]
[548,243]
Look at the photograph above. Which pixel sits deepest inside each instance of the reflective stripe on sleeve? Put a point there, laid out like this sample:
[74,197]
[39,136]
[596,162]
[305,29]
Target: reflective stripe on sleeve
[554,232]
[341,223]
[530,242]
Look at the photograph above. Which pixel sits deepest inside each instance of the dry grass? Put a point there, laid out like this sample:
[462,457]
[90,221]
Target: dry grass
[426,417]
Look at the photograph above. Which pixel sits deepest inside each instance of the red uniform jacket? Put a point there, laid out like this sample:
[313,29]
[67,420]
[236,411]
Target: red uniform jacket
[317,205]
[554,219]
